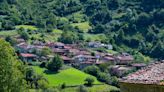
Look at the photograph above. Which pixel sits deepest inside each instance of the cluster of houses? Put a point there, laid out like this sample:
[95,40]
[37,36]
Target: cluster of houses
[73,54]
[147,79]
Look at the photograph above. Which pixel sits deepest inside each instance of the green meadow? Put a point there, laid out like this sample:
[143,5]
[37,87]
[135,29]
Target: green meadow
[30,27]
[70,77]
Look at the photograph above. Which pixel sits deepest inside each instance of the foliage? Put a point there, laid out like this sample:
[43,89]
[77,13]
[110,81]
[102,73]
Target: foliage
[93,70]
[127,21]
[68,37]
[34,80]
[12,71]
[82,88]
[114,81]
[55,64]
[12,41]
[63,86]
[89,81]
[46,51]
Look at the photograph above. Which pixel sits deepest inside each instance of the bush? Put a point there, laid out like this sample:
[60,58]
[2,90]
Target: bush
[114,90]
[93,70]
[89,81]
[55,64]
[114,81]
[82,88]
[46,51]
[43,64]
[69,37]
[103,77]
[51,90]
[63,86]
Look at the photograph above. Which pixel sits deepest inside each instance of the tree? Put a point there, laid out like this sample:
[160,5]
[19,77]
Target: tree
[46,51]
[113,4]
[12,41]
[114,81]
[159,16]
[121,37]
[98,29]
[30,73]
[69,37]
[103,77]
[89,81]
[93,70]
[11,74]
[55,64]
[144,20]
[25,35]
[158,50]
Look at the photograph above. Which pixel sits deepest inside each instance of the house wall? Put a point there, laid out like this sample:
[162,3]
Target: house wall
[130,87]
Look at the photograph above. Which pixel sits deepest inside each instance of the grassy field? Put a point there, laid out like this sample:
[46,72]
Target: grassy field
[95,88]
[94,37]
[27,27]
[111,51]
[8,33]
[57,31]
[84,26]
[69,76]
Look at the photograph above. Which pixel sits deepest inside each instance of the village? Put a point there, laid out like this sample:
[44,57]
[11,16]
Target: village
[77,56]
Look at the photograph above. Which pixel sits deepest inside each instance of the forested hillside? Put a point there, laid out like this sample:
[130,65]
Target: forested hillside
[129,25]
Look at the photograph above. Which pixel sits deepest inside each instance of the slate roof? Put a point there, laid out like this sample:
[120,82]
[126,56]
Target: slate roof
[152,74]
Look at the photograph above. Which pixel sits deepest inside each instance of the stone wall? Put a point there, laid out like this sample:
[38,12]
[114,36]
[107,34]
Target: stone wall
[131,87]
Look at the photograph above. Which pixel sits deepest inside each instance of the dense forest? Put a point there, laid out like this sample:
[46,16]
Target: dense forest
[129,25]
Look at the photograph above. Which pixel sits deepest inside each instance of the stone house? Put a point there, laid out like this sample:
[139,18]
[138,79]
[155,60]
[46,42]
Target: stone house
[27,57]
[124,59]
[120,70]
[148,79]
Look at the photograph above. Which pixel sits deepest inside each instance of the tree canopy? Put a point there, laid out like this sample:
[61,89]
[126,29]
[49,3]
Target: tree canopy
[12,72]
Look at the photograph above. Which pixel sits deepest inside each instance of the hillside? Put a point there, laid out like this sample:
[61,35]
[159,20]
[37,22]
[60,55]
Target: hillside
[129,25]
[65,76]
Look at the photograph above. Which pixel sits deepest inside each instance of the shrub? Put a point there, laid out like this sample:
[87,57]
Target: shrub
[93,70]
[114,90]
[82,88]
[89,81]
[55,64]
[43,64]
[63,86]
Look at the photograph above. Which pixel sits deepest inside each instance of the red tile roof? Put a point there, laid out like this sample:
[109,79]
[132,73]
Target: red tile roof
[65,58]
[27,55]
[125,58]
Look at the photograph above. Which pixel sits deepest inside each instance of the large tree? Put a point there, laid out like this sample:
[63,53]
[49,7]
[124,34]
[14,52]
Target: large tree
[55,64]
[69,37]
[11,70]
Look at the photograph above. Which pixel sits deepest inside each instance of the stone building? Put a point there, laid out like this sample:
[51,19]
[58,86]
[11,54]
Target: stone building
[148,79]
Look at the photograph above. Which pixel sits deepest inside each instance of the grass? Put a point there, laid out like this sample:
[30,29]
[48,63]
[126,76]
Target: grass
[70,77]
[118,15]
[30,27]
[95,88]
[111,51]
[84,26]
[8,33]
[77,16]
[94,37]
[57,31]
